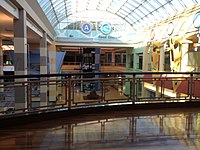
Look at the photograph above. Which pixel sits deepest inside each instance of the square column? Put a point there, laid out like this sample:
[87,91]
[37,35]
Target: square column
[162,58]
[1,73]
[43,70]
[52,65]
[1,58]
[97,66]
[20,59]
[113,58]
[146,59]
[184,58]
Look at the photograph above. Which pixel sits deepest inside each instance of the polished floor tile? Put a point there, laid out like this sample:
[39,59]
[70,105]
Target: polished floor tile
[168,129]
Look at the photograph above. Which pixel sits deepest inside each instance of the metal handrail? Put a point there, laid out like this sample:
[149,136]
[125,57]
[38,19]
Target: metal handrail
[126,87]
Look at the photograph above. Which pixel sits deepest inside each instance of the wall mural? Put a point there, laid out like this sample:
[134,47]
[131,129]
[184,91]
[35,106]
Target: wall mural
[155,59]
[154,52]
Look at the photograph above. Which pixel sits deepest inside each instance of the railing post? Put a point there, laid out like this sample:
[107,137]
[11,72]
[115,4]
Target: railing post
[69,92]
[29,96]
[102,91]
[133,89]
[190,86]
[65,83]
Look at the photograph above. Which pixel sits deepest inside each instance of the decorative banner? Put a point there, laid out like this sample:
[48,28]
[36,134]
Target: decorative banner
[175,61]
[155,59]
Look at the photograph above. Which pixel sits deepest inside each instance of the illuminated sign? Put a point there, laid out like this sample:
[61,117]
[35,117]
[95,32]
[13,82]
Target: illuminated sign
[106,28]
[86,28]
[8,68]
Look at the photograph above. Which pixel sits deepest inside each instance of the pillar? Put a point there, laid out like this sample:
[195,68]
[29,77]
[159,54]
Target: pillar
[121,59]
[128,67]
[162,58]
[1,73]
[1,58]
[52,66]
[106,59]
[146,61]
[20,59]
[43,69]
[97,67]
[184,58]
[113,58]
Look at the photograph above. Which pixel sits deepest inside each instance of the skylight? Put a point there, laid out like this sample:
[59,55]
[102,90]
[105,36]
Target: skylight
[134,12]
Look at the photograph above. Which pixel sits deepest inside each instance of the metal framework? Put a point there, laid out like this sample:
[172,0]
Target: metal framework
[138,13]
[74,90]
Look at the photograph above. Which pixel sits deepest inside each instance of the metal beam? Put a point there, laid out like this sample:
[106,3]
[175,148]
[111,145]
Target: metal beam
[34,28]
[34,16]
[49,41]
[81,44]
[9,8]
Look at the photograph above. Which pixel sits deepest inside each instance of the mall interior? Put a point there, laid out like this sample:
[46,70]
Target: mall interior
[100,74]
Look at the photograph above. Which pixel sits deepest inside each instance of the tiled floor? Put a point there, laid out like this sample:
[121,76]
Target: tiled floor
[110,94]
[169,129]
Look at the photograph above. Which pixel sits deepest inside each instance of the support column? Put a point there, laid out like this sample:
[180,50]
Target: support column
[184,58]
[43,69]
[1,58]
[20,59]
[1,73]
[52,65]
[129,60]
[146,61]
[162,59]
[97,67]
[113,58]
[121,59]
[106,58]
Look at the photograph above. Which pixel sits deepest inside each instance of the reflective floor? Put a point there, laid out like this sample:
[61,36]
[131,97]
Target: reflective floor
[168,129]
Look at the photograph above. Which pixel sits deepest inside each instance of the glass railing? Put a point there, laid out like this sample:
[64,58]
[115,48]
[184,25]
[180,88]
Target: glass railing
[21,95]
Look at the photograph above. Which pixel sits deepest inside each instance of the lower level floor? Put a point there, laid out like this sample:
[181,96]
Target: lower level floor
[161,129]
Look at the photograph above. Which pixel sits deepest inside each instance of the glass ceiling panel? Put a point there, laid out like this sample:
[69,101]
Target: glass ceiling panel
[134,12]
[130,6]
[148,7]
[131,19]
[154,3]
[162,2]
[144,10]
[179,6]
[139,13]
[92,4]
[125,9]
[188,3]
[169,9]
[133,2]
[122,12]
[103,4]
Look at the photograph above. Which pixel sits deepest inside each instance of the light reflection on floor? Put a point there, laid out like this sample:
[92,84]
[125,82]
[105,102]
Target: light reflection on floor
[167,129]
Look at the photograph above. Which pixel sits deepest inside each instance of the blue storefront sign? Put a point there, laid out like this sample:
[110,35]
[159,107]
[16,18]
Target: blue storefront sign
[86,28]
